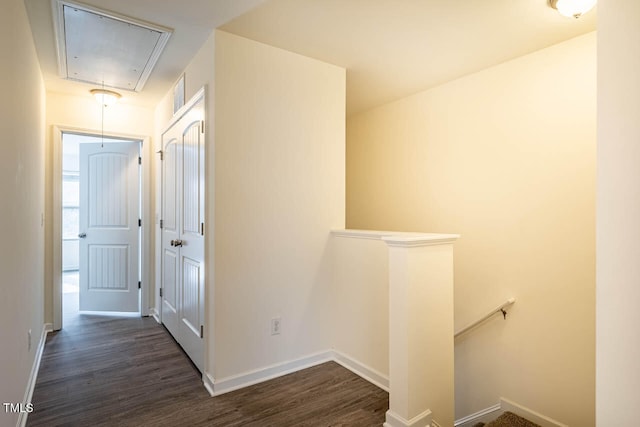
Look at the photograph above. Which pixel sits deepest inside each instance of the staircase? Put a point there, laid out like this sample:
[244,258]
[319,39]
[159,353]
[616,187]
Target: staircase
[508,419]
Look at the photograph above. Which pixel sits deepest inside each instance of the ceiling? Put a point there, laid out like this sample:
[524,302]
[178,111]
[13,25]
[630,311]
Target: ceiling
[191,21]
[390,48]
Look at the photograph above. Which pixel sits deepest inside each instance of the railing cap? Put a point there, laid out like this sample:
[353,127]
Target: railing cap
[423,239]
[399,238]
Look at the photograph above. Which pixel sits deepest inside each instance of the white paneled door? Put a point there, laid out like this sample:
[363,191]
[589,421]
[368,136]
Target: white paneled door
[109,226]
[182,253]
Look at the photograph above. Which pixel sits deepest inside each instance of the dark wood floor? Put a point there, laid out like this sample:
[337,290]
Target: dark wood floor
[107,371]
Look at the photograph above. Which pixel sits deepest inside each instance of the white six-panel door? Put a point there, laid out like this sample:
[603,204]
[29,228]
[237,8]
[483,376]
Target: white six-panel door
[182,253]
[109,228]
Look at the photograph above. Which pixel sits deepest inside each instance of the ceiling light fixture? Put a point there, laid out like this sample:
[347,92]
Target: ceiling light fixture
[105,97]
[572,8]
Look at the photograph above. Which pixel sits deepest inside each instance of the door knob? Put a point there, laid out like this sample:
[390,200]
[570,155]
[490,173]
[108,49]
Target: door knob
[176,243]
[82,235]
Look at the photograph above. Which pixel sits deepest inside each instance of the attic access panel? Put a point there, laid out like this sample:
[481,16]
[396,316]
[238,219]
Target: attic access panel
[99,47]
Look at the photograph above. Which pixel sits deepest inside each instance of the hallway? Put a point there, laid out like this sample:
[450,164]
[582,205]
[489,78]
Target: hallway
[111,371]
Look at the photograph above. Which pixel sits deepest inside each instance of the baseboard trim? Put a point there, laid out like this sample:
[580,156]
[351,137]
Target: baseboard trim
[543,421]
[484,416]
[362,370]
[394,420]
[493,412]
[236,382]
[154,313]
[33,376]
[207,380]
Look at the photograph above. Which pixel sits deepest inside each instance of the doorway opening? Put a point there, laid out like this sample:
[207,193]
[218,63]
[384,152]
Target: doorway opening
[100,226]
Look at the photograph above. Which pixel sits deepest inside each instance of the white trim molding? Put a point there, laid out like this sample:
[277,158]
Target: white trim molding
[197,97]
[506,405]
[31,384]
[531,415]
[362,234]
[154,313]
[415,240]
[362,370]
[421,420]
[147,219]
[236,382]
[207,380]
[398,238]
[484,416]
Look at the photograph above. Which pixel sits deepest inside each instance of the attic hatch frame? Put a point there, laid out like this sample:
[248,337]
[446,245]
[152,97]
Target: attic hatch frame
[61,47]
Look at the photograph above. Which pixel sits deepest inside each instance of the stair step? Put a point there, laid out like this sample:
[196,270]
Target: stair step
[508,419]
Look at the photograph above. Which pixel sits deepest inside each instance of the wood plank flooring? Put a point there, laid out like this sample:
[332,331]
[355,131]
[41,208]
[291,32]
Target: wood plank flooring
[108,371]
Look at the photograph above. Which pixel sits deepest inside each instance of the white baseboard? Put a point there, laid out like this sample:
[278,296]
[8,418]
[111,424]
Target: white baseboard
[225,385]
[154,313]
[484,416]
[236,382]
[493,412]
[207,380]
[31,384]
[362,370]
[508,405]
[394,420]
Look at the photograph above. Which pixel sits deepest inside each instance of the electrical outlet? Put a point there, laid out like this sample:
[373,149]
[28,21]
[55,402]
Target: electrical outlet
[29,342]
[276,325]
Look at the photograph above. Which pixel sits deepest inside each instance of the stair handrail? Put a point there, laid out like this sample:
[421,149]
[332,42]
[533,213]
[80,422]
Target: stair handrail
[499,309]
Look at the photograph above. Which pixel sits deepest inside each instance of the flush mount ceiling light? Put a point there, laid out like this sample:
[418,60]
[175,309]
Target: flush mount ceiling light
[105,97]
[572,8]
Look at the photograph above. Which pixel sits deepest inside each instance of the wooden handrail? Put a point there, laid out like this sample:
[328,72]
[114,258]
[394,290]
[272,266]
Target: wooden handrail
[499,309]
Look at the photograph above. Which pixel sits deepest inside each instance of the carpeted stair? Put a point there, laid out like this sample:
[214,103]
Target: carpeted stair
[508,419]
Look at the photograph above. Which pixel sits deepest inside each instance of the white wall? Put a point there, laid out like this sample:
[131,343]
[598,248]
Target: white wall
[74,112]
[279,189]
[22,189]
[275,188]
[85,113]
[618,214]
[506,158]
[360,302]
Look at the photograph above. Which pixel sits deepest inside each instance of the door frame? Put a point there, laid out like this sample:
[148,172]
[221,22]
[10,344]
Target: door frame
[146,214]
[156,310]
[187,111]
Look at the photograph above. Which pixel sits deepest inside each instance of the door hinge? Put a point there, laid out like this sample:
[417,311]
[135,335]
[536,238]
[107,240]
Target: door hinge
[161,154]
[161,223]
[139,222]
[201,331]
[139,160]
[202,228]
[160,292]
[139,284]
[202,126]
